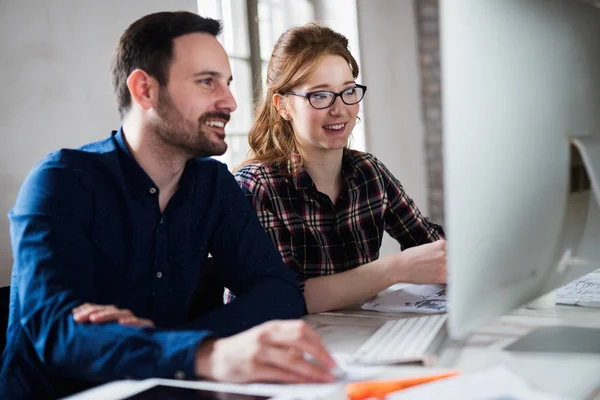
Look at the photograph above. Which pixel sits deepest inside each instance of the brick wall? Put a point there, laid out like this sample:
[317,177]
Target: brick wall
[427,15]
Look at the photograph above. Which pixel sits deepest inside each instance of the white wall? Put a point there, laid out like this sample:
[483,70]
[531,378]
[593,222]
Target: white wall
[56,89]
[55,81]
[392,106]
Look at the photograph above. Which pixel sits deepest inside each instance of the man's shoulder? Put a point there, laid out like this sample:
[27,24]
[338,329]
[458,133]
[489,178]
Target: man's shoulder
[67,167]
[79,157]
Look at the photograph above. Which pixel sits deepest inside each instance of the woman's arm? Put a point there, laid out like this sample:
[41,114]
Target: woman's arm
[403,219]
[420,264]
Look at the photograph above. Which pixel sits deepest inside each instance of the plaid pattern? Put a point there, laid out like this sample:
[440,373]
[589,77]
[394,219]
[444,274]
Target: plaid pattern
[315,236]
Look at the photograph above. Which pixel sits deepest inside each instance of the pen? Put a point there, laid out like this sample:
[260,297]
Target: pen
[378,389]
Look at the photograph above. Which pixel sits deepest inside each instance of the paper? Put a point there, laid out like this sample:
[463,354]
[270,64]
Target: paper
[497,383]
[349,372]
[584,291]
[406,297]
[352,372]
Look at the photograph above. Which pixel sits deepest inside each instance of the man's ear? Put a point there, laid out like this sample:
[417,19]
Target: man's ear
[143,89]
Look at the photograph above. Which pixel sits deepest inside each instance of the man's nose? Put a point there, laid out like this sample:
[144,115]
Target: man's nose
[227,101]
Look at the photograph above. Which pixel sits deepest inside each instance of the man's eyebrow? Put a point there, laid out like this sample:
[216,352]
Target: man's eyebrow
[209,73]
[214,74]
[326,86]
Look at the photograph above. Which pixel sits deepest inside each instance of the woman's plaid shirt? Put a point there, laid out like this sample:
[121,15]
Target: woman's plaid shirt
[315,236]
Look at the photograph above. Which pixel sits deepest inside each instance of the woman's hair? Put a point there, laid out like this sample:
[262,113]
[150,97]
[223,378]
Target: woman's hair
[295,55]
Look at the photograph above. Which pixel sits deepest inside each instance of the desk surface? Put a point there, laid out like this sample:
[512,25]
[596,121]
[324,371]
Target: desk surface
[570,375]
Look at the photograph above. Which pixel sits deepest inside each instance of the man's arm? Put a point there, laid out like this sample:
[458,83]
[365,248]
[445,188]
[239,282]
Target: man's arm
[252,268]
[54,270]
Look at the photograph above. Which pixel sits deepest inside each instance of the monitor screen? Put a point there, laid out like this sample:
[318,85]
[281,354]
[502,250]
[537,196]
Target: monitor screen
[520,85]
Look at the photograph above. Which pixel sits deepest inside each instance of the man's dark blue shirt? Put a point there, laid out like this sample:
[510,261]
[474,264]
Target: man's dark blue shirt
[87,227]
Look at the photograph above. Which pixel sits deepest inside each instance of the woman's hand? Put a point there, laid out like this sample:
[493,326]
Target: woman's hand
[420,264]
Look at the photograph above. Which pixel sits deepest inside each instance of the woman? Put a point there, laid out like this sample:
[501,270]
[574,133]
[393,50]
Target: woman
[326,206]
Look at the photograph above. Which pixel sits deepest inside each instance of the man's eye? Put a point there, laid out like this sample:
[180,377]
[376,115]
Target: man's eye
[208,82]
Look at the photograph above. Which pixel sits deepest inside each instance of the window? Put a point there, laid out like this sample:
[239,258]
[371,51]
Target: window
[249,47]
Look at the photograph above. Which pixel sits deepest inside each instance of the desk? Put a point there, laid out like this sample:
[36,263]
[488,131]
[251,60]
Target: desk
[575,376]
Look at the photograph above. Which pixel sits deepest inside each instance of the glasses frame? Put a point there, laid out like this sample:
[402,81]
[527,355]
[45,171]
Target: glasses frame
[308,95]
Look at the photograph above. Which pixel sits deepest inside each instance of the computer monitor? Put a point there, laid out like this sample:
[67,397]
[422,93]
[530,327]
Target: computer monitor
[520,82]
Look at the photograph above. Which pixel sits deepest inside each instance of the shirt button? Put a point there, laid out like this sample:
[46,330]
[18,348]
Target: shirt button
[152,190]
[159,274]
[179,375]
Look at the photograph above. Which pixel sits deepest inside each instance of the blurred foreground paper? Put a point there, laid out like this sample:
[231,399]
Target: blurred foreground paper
[497,383]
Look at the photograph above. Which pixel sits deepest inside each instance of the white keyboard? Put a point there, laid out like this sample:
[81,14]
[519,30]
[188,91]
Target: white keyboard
[404,340]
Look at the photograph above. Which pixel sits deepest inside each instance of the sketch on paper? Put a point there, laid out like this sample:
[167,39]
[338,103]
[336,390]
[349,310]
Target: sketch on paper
[425,299]
[584,291]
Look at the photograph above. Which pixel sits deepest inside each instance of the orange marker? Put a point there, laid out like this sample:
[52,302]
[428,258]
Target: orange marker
[379,389]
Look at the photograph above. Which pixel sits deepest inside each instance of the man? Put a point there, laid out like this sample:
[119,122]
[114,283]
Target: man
[129,221]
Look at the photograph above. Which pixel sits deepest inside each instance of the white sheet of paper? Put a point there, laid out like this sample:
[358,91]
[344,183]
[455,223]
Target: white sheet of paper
[123,389]
[497,383]
[584,291]
[285,392]
[406,297]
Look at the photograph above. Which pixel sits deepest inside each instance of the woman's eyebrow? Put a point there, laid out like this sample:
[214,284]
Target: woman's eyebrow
[327,86]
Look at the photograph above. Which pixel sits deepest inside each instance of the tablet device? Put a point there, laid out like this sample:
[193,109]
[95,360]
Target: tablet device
[162,392]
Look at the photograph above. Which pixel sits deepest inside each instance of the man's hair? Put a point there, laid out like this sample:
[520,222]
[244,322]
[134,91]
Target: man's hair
[147,44]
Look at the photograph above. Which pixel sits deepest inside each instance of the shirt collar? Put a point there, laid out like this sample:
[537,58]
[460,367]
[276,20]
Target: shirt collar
[137,179]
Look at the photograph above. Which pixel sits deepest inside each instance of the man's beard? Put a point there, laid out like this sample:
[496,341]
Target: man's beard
[186,135]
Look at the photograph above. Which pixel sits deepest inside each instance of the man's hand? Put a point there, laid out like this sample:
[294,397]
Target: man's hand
[98,314]
[421,264]
[276,351]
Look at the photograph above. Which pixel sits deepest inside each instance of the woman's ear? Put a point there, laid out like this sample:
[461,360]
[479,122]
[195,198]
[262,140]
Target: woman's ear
[279,103]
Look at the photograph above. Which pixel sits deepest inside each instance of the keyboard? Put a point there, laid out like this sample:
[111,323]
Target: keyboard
[404,340]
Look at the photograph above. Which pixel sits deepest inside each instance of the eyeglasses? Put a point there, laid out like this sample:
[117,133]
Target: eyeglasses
[323,99]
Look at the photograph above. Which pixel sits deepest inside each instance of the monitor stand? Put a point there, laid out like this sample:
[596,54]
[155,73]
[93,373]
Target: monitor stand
[559,339]
[569,339]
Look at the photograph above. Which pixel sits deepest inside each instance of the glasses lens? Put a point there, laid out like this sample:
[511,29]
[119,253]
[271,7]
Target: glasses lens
[353,95]
[321,99]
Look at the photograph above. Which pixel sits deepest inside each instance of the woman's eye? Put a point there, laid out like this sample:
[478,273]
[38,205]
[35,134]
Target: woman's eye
[320,96]
[350,91]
